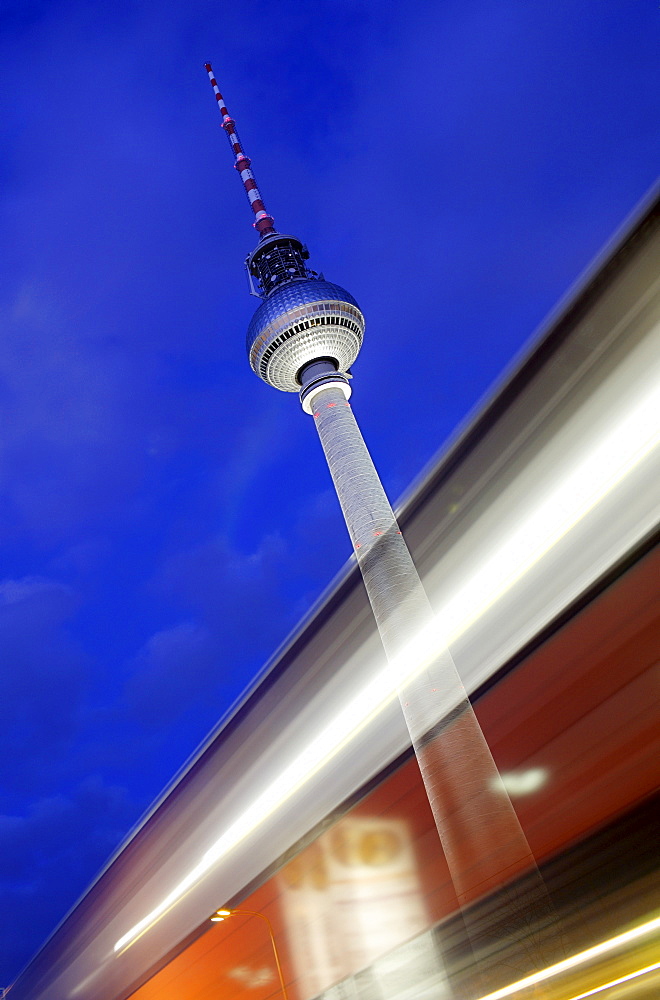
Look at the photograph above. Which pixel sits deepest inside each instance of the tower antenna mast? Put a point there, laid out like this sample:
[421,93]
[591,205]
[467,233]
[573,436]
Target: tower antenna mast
[277,257]
[263,222]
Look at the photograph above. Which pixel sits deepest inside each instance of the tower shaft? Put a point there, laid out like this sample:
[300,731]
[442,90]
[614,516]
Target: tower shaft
[481,836]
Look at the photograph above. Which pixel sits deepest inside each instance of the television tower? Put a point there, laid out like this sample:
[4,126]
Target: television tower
[303,338]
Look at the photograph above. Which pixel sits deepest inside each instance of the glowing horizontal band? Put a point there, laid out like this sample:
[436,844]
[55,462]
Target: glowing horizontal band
[327,744]
[580,959]
[619,451]
[617,982]
[580,490]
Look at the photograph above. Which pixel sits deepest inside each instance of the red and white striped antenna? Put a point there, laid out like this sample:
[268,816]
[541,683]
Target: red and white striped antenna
[263,222]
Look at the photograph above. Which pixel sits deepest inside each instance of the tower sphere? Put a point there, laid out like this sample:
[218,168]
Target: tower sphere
[303,320]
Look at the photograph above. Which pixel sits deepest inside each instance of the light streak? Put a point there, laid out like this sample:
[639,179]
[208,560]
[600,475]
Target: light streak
[313,758]
[618,452]
[588,483]
[580,959]
[616,982]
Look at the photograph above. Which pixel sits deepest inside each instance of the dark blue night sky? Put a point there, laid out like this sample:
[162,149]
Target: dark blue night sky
[165,517]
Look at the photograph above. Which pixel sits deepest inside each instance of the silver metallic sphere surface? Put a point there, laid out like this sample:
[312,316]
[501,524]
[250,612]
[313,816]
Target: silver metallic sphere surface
[302,321]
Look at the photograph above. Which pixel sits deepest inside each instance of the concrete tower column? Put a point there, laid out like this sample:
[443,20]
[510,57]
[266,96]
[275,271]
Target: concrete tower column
[481,836]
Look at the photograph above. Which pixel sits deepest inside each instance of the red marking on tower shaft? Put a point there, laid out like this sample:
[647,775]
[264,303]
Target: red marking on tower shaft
[263,222]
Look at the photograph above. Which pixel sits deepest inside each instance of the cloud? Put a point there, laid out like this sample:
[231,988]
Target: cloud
[65,403]
[239,595]
[42,673]
[47,855]
[175,668]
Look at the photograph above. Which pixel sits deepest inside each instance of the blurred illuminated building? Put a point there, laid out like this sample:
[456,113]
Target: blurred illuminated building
[535,533]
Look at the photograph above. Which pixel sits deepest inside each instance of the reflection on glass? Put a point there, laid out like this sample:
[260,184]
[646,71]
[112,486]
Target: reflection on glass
[252,978]
[352,896]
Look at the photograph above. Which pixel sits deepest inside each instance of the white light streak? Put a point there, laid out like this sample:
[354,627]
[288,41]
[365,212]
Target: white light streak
[316,755]
[575,960]
[584,486]
[616,982]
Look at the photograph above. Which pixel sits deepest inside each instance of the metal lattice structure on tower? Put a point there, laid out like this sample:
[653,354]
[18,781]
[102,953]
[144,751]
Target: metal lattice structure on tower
[303,338]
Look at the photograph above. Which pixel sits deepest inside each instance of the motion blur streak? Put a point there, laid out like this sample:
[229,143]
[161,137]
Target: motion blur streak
[597,474]
[580,959]
[315,755]
[607,464]
[617,982]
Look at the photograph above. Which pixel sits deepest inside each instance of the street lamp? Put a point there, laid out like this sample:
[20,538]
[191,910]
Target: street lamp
[221,915]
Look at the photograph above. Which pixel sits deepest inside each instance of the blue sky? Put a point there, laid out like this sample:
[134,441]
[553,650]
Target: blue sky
[454,164]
